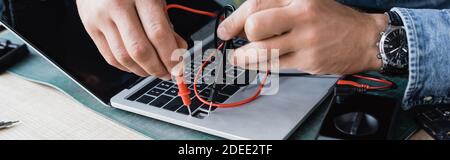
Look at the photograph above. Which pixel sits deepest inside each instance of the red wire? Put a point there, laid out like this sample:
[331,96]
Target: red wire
[177,6]
[388,84]
[229,105]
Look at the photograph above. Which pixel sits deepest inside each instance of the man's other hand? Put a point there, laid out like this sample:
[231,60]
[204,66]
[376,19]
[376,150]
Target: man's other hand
[315,36]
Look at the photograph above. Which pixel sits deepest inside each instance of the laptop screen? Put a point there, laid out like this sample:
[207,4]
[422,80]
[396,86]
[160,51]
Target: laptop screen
[54,28]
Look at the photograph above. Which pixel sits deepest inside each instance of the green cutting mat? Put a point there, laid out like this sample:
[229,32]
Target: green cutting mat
[37,69]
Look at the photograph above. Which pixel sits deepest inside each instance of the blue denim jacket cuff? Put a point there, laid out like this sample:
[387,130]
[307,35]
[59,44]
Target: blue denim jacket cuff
[428,56]
[413,68]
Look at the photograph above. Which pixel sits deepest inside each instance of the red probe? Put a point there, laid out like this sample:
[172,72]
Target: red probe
[183,91]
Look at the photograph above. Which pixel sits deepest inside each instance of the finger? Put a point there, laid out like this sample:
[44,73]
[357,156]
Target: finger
[267,23]
[242,35]
[138,45]
[255,52]
[176,71]
[104,48]
[180,41]
[158,30]
[287,61]
[234,24]
[294,60]
[118,50]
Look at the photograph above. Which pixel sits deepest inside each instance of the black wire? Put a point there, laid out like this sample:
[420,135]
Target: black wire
[226,11]
[307,75]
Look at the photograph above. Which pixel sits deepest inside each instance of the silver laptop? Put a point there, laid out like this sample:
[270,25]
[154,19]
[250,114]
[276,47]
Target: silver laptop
[66,45]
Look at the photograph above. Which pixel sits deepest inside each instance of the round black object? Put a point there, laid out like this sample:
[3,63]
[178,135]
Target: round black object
[356,124]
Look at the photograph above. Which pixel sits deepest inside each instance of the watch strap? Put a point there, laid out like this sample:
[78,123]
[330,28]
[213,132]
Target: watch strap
[390,70]
[395,19]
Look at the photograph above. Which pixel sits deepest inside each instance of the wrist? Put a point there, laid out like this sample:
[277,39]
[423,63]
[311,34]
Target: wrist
[379,23]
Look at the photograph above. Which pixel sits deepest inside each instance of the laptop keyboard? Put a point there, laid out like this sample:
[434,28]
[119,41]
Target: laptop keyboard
[164,94]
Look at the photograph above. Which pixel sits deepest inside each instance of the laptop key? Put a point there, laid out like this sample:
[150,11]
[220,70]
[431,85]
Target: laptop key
[220,98]
[183,110]
[206,108]
[161,101]
[200,87]
[144,89]
[230,90]
[145,99]
[174,104]
[194,106]
[165,85]
[155,92]
[172,92]
[205,93]
[192,95]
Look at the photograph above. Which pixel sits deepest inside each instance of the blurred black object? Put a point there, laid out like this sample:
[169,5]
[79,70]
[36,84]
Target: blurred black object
[435,120]
[10,54]
[360,117]
[186,23]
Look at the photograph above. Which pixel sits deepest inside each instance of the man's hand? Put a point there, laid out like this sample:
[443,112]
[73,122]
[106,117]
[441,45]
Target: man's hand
[132,35]
[315,36]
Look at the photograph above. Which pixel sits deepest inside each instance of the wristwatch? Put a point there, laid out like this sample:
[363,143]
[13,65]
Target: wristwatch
[393,46]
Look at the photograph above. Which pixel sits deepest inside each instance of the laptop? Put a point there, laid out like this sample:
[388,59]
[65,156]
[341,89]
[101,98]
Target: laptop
[62,40]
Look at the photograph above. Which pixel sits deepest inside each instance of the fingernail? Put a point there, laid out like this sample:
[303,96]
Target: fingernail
[222,33]
[166,77]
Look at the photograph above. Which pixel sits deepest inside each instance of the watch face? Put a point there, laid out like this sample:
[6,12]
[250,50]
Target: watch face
[396,48]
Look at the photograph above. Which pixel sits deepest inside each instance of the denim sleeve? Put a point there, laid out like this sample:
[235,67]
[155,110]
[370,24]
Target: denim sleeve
[385,5]
[428,32]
